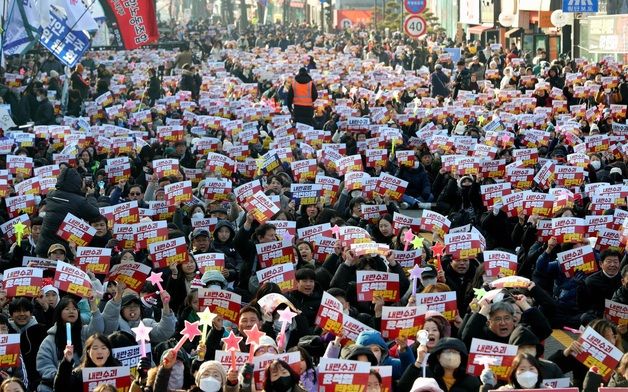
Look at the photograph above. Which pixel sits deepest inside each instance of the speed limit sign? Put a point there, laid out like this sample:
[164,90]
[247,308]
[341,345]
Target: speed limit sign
[415,26]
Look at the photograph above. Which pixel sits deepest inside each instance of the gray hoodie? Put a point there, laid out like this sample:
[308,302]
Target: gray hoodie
[161,331]
[31,322]
[47,358]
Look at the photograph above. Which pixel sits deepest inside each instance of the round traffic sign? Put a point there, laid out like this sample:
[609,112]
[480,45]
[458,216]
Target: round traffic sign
[415,6]
[415,26]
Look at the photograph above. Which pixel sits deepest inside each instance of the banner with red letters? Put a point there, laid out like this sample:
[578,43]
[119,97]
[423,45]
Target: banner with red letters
[178,193]
[23,282]
[341,375]
[598,352]
[282,274]
[147,233]
[96,260]
[72,280]
[119,376]
[132,274]
[273,253]
[165,167]
[577,259]
[443,303]
[330,314]
[569,229]
[210,261]
[498,263]
[76,230]
[498,356]
[168,252]
[616,312]
[222,302]
[402,321]
[19,165]
[370,284]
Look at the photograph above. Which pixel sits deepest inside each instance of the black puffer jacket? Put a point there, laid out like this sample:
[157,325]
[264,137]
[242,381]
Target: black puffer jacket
[233,260]
[523,336]
[68,197]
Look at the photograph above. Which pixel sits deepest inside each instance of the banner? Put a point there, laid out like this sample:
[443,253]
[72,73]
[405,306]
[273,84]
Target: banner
[578,259]
[165,253]
[373,283]
[76,230]
[68,46]
[616,312]
[443,303]
[330,314]
[132,274]
[119,376]
[341,375]
[96,260]
[210,261]
[178,193]
[10,350]
[402,321]
[72,280]
[146,233]
[282,274]
[222,302]
[21,281]
[599,352]
[497,262]
[276,252]
[463,245]
[498,356]
[351,328]
[569,229]
[261,207]
[137,22]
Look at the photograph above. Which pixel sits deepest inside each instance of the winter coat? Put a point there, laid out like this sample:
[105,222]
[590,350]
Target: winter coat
[161,331]
[399,365]
[45,114]
[418,182]
[186,83]
[307,304]
[597,288]
[68,197]
[523,336]
[48,356]
[70,379]
[593,381]
[439,84]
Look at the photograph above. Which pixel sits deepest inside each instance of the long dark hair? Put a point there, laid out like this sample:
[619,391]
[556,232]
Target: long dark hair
[515,364]
[77,327]
[268,383]
[86,361]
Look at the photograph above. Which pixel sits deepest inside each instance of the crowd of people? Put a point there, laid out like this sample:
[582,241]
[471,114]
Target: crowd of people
[481,189]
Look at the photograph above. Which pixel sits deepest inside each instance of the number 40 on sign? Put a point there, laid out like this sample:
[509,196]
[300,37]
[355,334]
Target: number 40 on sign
[414,26]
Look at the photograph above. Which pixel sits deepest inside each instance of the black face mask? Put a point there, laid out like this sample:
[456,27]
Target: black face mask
[282,384]
[465,190]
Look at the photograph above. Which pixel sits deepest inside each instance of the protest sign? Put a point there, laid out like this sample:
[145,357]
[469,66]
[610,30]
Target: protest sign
[282,274]
[261,207]
[373,283]
[146,233]
[616,312]
[72,280]
[119,376]
[273,253]
[76,230]
[330,314]
[10,350]
[568,229]
[210,261]
[499,356]
[498,264]
[168,252]
[443,303]
[341,375]
[598,352]
[222,302]
[463,245]
[96,260]
[23,281]
[132,274]
[402,321]
[178,193]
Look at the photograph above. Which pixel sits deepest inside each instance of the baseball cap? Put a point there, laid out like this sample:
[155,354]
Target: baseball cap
[198,232]
[55,247]
[129,299]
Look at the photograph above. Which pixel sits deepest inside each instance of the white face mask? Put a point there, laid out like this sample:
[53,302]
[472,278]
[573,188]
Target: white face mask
[210,384]
[596,165]
[527,379]
[198,215]
[214,287]
[42,214]
[449,360]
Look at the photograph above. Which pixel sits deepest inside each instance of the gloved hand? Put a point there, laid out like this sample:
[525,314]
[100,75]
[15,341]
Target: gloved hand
[488,377]
[247,374]
[142,368]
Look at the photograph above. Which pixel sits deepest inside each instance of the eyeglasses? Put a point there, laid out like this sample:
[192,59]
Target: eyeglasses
[505,319]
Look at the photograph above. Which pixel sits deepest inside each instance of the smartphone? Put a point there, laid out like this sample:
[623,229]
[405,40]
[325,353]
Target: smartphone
[89,181]
[101,184]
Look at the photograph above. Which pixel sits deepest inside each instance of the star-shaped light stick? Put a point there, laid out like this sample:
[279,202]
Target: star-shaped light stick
[206,317]
[417,242]
[479,293]
[335,230]
[19,228]
[285,316]
[253,337]
[415,273]
[287,236]
[437,251]
[142,336]
[189,332]
[232,344]
[481,120]
[408,236]
[155,278]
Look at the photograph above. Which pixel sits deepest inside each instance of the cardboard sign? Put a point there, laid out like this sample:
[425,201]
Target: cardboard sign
[541,204]
[493,168]
[96,260]
[146,233]
[341,375]
[282,274]
[519,177]
[372,213]
[331,186]
[165,167]
[217,189]
[132,274]
[210,262]
[402,321]
[125,235]
[499,263]
[261,207]
[72,280]
[126,212]
[330,314]
[373,283]
[352,163]
[596,223]
[306,194]
[19,205]
[323,247]
[276,252]
[119,376]
[218,164]
[443,303]
[492,194]
[501,355]
[23,281]
[76,230]
[578,259]
[222,302]
[376,158]
[178,193]
[463,245]
[400,221]
[349,235]
[569,230]
[408,259]
[130,356]
[305,170]
[433,222]
[38,262]
[369,248]
[168,252]
[616,312]
[9,232]
[310,232]
[599,352]
[391,186]
[30,186]
[351,328]
[19,165]
[568,176]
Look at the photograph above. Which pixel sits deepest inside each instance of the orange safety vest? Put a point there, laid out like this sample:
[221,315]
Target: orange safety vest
[302,94]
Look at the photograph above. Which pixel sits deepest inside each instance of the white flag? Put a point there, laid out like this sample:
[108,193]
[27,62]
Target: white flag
[79,17]
[22,26]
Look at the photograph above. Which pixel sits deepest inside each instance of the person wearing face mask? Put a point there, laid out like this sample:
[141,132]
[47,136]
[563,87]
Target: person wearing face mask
[447,365]
[96,353]
[525,374]
[211,377]
[528,343]
[173,374]
[280,377]
[616,176]
[461,200]
[45,114]
[376,343]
